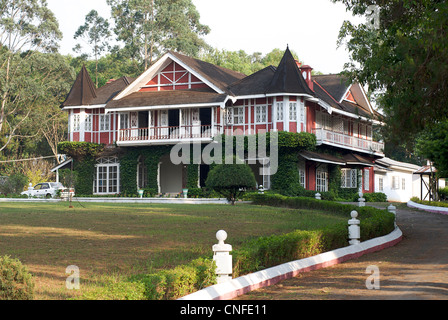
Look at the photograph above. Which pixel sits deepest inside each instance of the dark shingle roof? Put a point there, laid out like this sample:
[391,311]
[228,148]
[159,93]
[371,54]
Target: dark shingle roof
[288,78]
[256,83]
[83,92]
[165,98]
[219,76]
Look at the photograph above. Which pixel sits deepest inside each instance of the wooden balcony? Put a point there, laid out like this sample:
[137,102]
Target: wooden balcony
[348,142]
[167,135]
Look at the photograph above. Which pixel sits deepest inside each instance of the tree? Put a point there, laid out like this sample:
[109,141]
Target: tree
[149,27]
[404,59]
[231,180]
[433,145]
[95,31]
[27,27]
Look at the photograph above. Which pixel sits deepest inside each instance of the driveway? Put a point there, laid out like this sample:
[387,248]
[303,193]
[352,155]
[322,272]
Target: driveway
[414,269]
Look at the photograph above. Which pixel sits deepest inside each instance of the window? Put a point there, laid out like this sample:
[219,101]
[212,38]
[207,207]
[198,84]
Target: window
[76,122]
[106,178]
[395,183]
[403,184]
[280,111]
[261,114]
[104,122]
[321,180]
[142,174]
[302,174]
[124,120]
[349,178]
[88,122]
[292,111]
[366,179]
[380,184]
[238,115]
[229,116]
[302,113]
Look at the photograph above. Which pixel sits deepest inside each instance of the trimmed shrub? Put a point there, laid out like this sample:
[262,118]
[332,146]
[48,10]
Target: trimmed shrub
[16,283]
[230,179]
[274,250]
[375,197]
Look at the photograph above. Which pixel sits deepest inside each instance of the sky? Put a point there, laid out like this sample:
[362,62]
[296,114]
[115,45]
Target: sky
[309,27]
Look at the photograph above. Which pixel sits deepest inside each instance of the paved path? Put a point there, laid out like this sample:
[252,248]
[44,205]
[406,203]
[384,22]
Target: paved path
[414,269]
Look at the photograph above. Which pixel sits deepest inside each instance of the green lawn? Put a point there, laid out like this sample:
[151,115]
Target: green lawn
[107,241]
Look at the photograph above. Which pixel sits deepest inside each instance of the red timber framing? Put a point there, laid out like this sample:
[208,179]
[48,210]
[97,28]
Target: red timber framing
[173,77]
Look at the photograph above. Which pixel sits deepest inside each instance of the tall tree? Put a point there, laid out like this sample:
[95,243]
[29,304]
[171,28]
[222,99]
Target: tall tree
[149,27]
[26,27]
[96,32]
[404,58]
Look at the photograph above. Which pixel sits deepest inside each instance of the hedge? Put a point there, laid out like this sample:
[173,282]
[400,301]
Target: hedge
[269,251]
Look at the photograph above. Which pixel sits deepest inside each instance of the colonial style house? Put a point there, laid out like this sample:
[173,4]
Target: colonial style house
[182,99]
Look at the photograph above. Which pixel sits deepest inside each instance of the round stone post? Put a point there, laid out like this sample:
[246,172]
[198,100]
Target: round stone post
[393,210]
[354,231]
[222,258]
[361,200]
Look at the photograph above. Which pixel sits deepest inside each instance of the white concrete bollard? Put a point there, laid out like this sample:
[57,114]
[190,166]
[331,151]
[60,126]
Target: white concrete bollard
[361,200]
[222,258]
[354,231]
[393,210]
[318,196]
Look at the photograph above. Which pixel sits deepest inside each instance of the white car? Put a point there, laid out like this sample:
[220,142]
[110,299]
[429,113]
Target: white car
[44,190]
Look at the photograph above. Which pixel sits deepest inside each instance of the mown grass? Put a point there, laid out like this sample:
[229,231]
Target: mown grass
[109,241]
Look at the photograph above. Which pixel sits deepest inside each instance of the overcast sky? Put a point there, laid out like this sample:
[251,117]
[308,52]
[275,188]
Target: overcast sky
[309,27]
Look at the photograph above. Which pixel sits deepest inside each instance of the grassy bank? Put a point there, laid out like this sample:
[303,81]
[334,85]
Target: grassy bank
[109,242]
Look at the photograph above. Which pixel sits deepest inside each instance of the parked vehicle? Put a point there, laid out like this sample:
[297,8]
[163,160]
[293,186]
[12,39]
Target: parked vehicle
[45,190]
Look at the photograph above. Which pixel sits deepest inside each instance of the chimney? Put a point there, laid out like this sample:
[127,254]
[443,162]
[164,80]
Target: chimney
[306,73]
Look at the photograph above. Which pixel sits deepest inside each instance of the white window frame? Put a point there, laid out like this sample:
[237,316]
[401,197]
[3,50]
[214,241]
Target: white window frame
[302,113]
[107,165]
[349,178]
[261,114]
[76,122]
[293,111]
[395,182]
[380,183]
[403,183]
[302,174]
[104,122]
[280,111]
[88,122]
[124,121]
[366,178]
[238,115]
[321,180]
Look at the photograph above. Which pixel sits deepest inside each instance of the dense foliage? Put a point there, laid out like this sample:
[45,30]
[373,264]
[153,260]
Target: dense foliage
[16,283]
[231,180]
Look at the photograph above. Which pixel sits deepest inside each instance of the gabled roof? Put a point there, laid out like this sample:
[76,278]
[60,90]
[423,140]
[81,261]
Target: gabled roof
[219,76]
[288,78]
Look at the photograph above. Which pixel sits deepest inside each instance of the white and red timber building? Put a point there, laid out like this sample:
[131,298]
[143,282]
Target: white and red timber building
[180,98]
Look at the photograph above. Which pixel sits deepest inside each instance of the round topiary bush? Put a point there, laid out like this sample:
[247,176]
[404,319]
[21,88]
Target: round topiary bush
[16,283]
[230,180]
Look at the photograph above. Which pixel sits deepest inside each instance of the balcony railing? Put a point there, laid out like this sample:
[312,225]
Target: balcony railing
[173,133]
[343,140]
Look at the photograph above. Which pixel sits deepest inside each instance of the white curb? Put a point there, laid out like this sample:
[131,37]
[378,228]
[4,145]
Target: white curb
[264,278]
[433,209]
